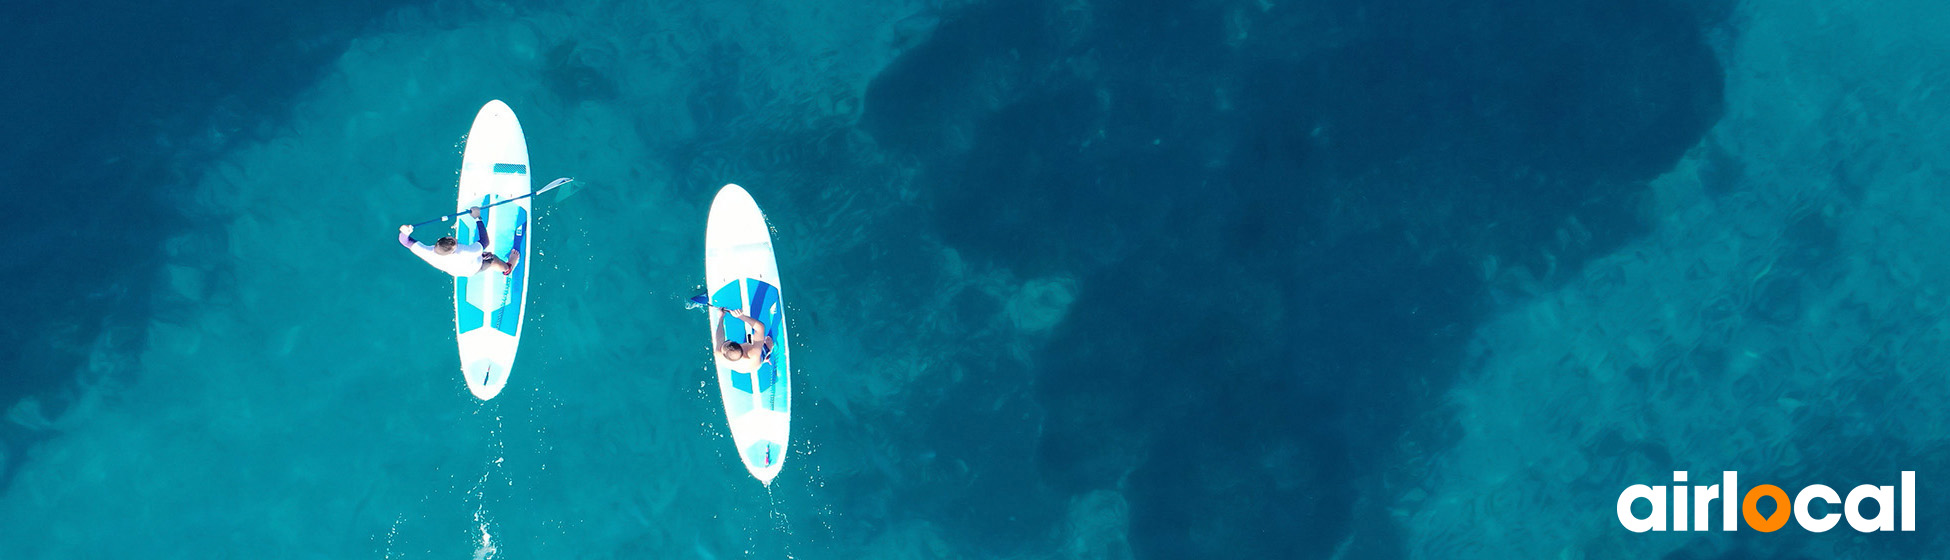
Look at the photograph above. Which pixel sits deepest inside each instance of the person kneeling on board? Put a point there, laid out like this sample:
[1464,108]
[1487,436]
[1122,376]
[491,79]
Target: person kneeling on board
[756,350]
[450,256]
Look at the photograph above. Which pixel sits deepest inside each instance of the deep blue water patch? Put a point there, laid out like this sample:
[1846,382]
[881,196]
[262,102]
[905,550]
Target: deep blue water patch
[1282,228]
[111,103]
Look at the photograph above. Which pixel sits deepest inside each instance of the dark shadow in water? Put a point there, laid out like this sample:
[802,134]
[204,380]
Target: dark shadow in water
[1282,217]
[574,72]
[111,104]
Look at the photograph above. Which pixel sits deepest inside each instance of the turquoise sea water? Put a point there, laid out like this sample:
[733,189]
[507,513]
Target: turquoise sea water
[1375,279]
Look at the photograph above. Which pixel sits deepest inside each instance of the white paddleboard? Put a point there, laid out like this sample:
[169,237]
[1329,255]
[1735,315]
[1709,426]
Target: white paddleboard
[488,306]
[741,273]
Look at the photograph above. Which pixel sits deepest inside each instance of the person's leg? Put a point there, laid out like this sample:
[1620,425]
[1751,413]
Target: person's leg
[488,260]
[514,250]
[480,235]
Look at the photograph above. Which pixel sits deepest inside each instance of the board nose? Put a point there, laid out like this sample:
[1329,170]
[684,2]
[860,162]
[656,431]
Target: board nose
[495,107]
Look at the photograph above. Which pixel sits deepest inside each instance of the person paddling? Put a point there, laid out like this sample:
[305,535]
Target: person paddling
[757,348]
[451,257]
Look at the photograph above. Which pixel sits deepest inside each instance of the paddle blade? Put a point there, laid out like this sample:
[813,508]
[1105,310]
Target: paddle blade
[552,184]
[568,187]
[698,301]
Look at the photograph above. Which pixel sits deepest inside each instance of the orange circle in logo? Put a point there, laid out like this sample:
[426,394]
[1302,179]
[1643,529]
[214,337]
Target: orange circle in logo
[1782,508]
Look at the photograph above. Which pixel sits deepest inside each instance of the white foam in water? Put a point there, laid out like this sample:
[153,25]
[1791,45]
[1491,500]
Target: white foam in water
[485,549]
[1624,344]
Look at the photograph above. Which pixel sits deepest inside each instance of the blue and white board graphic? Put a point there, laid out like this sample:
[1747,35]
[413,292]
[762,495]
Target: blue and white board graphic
[488,306]
[741,273]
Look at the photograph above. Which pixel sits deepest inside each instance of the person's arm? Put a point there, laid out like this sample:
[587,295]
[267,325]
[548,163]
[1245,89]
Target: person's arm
[406,236]
[759,338]
[480,229]
[751,325]
[717,332]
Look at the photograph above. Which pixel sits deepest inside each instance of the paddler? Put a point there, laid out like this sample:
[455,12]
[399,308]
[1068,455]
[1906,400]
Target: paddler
[755,351]
[450,256]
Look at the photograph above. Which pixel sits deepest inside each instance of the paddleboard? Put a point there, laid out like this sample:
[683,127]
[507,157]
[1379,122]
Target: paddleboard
[488,306]
[741,273]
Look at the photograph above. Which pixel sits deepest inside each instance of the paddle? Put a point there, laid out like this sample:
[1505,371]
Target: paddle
[698,301]
[551,186]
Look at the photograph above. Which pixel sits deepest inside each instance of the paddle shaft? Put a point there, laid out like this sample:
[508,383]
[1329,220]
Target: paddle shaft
[551,186]
[703,301]
[464,212]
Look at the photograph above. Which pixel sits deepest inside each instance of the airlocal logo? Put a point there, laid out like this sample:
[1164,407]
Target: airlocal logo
[1703,497]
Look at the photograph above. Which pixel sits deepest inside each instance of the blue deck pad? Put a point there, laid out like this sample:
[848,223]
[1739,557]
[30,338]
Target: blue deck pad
[511,168]
[469,317]
[503,320]
[765,299]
